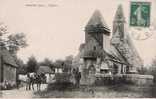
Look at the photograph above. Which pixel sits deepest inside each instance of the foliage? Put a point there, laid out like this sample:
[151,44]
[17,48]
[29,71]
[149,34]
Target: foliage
[13,42]
[16,41]
[22,67]
[68,60]
[32,64]
[3,32]
[46,62]
[58,63]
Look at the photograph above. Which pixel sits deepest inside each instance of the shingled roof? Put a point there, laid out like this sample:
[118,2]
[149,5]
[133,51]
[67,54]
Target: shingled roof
[7,57]
[97,23]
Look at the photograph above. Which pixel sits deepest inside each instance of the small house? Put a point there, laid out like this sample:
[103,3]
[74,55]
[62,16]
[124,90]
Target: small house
[8,68]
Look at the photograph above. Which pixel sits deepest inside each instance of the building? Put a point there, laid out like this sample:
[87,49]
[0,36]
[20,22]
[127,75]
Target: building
[117,53]
[8,68]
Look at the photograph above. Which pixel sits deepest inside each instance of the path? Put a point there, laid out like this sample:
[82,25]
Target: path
[20,93]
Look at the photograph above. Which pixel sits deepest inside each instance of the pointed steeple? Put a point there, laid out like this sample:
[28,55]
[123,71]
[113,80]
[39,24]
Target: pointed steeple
[119,16]
[97,24]
[118,26]
[122,42]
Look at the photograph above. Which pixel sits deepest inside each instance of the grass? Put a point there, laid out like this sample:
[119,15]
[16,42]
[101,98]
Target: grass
[110,91]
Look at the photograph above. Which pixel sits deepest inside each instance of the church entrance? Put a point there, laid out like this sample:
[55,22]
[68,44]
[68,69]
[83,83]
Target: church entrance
[91,74]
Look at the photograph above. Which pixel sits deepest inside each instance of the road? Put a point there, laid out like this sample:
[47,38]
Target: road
[20,93]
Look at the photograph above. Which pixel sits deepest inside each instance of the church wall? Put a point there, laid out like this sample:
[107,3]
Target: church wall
[91,43]
[106,42]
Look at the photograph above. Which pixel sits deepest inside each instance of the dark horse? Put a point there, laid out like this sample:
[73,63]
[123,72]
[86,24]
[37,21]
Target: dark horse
[38,81]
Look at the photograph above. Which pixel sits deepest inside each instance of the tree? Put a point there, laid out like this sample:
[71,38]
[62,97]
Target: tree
[15,42]
[22,67]
[46,62]
[32,64]
[58,63]
[12,42]
[3,31]
[68,63]
[69,59]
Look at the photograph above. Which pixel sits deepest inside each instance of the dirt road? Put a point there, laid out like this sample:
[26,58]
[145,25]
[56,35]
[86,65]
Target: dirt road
[20,93]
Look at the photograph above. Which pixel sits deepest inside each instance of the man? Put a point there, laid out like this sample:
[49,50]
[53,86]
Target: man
[77,77]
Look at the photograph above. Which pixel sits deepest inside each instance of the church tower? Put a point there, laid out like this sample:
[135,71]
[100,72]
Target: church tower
[95,29]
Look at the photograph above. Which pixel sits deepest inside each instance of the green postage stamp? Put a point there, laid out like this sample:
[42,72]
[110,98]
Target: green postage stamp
[140,14]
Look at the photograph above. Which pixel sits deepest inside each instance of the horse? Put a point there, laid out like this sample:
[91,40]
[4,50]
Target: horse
[31,79]
[39,78]
[38,81]
[25,79]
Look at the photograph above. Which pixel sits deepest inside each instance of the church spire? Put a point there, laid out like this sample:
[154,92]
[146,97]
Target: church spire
[118,26]
[119,16]
[96,24]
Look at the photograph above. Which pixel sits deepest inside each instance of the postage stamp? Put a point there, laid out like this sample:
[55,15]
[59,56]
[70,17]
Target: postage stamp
[141,26]
[140,14]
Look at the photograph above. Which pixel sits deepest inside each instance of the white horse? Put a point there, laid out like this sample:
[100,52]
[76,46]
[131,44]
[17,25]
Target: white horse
[26,79]
[29,79]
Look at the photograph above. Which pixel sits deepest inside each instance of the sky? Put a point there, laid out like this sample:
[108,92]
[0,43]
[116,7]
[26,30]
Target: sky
[55,28]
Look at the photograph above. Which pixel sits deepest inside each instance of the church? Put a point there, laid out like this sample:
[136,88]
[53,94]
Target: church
[105,52]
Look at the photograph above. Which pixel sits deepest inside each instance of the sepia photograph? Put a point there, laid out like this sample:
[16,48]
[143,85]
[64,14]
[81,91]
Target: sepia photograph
[77,49]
